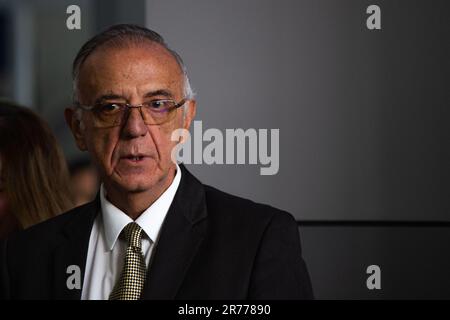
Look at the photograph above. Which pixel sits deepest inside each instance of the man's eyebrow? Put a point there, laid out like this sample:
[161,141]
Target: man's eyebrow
[109,96]
[113,96]
[161,92]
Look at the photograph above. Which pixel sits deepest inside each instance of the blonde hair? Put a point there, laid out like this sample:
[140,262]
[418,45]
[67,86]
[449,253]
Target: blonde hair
[34,170]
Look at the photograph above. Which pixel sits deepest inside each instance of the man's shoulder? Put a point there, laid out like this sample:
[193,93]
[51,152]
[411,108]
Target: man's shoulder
[225,206]
[226,209]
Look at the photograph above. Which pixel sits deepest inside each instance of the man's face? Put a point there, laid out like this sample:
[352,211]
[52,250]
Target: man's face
[133,75]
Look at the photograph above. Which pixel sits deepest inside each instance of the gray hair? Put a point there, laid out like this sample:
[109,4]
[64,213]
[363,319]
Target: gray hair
[119,35]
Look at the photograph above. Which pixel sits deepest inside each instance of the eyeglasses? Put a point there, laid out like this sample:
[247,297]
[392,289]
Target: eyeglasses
[111,114]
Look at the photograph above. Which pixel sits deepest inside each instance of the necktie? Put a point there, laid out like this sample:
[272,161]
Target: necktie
[132,279]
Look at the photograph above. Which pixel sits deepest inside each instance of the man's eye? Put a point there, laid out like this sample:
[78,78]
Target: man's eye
[160,104]
[109,107]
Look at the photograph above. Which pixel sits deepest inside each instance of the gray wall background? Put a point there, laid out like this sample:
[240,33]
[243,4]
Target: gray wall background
[363,115]
[413,260]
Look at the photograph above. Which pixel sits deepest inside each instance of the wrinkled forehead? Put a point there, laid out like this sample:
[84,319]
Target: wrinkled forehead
[157,50]
[130,67]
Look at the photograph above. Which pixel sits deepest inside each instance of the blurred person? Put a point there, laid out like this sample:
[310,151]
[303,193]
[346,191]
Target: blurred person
[84,181]
[34,183]
[154,231]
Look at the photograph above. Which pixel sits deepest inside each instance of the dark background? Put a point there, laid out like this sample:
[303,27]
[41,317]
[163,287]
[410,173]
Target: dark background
[363,114]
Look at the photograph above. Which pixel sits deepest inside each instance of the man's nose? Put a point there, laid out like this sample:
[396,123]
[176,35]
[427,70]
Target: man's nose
[134,125]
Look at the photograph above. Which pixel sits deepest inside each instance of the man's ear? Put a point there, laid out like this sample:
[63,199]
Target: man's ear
[75,126]
[191,108]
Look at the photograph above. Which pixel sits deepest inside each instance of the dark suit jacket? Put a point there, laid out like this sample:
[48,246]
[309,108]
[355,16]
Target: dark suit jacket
[212,245]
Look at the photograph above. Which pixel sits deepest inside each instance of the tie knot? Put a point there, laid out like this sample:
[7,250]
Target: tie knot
[133,234]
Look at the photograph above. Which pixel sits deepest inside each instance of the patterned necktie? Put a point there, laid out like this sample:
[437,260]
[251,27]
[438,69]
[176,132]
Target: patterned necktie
[132,278]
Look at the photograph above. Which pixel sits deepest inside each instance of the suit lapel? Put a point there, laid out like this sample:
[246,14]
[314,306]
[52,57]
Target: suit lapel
[71,252]
[180,237]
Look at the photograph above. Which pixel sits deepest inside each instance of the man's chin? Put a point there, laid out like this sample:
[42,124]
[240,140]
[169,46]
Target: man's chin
[138,182]
[136,186]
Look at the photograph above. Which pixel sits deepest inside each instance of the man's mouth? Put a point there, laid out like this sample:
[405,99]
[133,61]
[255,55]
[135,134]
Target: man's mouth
[135,158]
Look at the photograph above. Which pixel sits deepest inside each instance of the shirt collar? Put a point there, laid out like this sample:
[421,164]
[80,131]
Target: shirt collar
[114,219]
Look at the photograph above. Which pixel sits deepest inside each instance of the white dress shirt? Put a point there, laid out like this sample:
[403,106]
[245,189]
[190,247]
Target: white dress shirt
[106,252]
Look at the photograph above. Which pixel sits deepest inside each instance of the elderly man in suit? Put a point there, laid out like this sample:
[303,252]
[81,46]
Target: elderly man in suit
[154,231]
